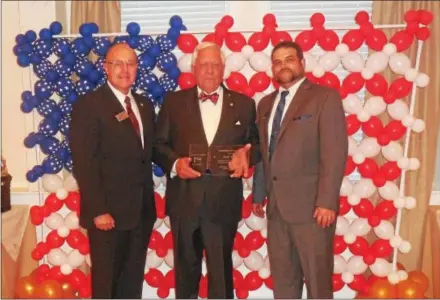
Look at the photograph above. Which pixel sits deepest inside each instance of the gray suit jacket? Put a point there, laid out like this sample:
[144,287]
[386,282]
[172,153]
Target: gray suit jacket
[308,164]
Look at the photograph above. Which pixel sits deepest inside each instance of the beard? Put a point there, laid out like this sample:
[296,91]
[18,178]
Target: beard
[286,76]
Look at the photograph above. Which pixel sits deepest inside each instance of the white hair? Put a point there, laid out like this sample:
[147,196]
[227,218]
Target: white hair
[204,45]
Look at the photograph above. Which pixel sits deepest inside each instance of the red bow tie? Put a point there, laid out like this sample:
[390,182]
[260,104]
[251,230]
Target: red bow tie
[213,97]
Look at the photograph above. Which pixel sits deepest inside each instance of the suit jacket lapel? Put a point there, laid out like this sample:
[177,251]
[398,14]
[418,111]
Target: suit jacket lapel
[227,116]
[143,115]
[195,116]
[266,117]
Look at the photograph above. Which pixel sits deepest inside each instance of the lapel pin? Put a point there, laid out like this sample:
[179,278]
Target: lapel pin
[142,104]
[231,104]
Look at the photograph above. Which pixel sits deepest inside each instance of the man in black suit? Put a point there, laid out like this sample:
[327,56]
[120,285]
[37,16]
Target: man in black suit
[204,208]
[111,138]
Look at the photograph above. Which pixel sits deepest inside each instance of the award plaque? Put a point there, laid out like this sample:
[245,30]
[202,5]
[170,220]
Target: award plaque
[213,160]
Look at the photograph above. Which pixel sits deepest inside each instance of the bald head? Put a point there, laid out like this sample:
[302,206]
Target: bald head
[121,66]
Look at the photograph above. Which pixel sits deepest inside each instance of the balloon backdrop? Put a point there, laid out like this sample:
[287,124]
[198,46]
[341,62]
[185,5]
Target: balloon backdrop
[65,70]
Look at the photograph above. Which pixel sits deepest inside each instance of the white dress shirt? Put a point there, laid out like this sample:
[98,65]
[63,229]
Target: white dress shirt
[292,91]
[121,97]
[211,114]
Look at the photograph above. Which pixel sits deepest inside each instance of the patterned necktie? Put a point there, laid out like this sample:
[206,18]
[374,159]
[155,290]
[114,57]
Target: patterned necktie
[276,124]
[132,117]
[213,97]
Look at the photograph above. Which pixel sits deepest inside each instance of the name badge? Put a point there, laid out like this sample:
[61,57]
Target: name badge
[121,116]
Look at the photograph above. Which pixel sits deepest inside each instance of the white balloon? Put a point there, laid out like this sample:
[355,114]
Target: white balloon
[410,202]
[156,181]
[263,232]
[349,238]
[62,193]
[408,121]
[240,223]
[398,109]
[237,260]
[399,202]
[226,73]
[396,241]
[52,182]
[369,147]
[260,61]
[269,73]
[329,61]
[257,97]
[403,275]
[169,258]
[339,264]
[75,258]
[318,71]
[393,151]
[405,247]
[403,163]
[352,146]
[381,267]
[393,278]
[166,221]
[389,49]
[346,187]
[354,199]
[389,191]
[184,63]
[367,74]
[254,261]
[157,224]
[385,230]
[153,260]
[264,273]
[353,61]
[311,61]
[88,260]
[377,62]
[363,116]
[235,61]
[352,104]
[247,51]
[422,80]
[163,180]
[411,74]
[72,221]
[57,257]
[358,157]
[418,125]
[399,63]
[63,231]
[359,227]
[375,106]
[66,269]
[356,265]
[347,277]
[54,221]
[266,263]
[342,225]
[364,188]
[256,223]
[342,49]
[70,184]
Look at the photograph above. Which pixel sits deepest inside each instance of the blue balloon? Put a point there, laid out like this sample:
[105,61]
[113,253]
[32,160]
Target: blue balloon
[20,39]
[62,154]
[173,34]
[16,49]
[31,36]
[38,170]
[83,67]
[65,107]
[23,60]
[174,73]
[36,58]
[61,46]
[56,115]
[168,83]
[26,95]
[51,76]
[26,49]
[133,29]
[45,34]
[101,81]
[31,176]
[157,90]
[165,43]
[43,89]
[94,76]
[154,50]
[62,69]
[94,27]
[133,42]
[64,87]
[50,145]
[65,124]
[86,29]
[120,39]
[166,61]
[43,48]
[65,144]
[31,140]
[26,107]
[84,86]
[158,171]
[56,27]
[35,101]
[144,43]
[176,21]
[47,107]
[146,62]
[89,42]
[102,44]
[146,81]
[69,59]
[79,48]
[99,65]
[72,97]
[69,164]
[52,165]
[48,127]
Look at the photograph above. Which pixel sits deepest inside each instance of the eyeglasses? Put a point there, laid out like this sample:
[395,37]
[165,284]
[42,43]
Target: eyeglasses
[121,63]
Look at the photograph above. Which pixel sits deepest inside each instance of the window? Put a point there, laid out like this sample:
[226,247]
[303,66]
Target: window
[154,16]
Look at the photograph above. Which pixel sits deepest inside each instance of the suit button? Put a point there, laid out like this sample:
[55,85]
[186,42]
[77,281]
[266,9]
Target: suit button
[275,178]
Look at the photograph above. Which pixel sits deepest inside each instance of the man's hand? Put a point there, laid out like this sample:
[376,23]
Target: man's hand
[184,170]
[104,222]
[324,217]
[239,163]
[257,209]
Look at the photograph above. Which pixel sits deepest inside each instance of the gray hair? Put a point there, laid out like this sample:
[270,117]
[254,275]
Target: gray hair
[204,45]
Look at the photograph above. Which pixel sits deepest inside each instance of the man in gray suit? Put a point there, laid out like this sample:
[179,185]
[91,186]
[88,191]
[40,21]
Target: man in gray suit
[304,147]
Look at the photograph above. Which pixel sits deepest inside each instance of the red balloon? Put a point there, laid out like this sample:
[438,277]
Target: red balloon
[359,247]
[402,39]
[329,79]
[203,287]
[395,130]
[248,91]
[259,41]
[280,36]
[425,17]
[73,200]
[385,210]
[75,238]
[269,30]
[381,248]
[36,215]
[374,220]
[377,85]
[364,209]
[154,278]
[372,127]
[253,281]
[358,283]
[221,31]
[187,42]
[317,19]
[423,33]
[353,83]
[376,40]
[53,203]
[246,208]
[238,241]
[354,39]
[53,240]
[254,240]
[259,82]
[339,244]
[269,19]
[55,274]
[368,168]
[342,92]
[338,284]
[311,78]
[84,248]
[85,292]
[401,87]
[156,240]
[353,124]
[227,21]
[235,41]
[366,28]
[186,80]
[236,81]
[329,40]
[160,205]
[411,16]
[411,27]
[306,40]
[389,97]
[46,211]
[242,293]
[238,280]
[344,206]
[269,282]
[362,17]
[349,166]
[318,32]
[369,259]
[37,254]
[383,138]
[379,179]
[168,240]
[391,170]
[212,37]
[77,279]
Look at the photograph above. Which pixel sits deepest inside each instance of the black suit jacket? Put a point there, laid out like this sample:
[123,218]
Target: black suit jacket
[179,124]
[113,171]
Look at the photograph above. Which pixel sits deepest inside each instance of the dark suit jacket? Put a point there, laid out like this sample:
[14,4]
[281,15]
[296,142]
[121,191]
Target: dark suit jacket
[179,124]
[308,164]
[113,171]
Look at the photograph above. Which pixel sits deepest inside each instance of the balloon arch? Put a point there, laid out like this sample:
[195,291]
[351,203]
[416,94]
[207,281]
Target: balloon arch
[71,65]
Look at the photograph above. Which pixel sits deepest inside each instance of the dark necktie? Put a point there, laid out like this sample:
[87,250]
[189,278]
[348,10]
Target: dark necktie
[276,124]
[213,97]
[132,117]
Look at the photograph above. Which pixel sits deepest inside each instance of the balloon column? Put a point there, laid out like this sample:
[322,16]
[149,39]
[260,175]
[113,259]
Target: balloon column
[161,71]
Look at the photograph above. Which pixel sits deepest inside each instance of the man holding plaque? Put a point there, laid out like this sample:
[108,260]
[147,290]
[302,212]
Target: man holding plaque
[198,131]
[304,150]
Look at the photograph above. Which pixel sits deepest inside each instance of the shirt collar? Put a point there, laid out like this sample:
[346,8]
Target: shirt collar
[293,88]
[218,90]
[121,96]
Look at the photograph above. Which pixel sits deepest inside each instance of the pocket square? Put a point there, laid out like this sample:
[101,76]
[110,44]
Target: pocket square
[238,122]
[302,117]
